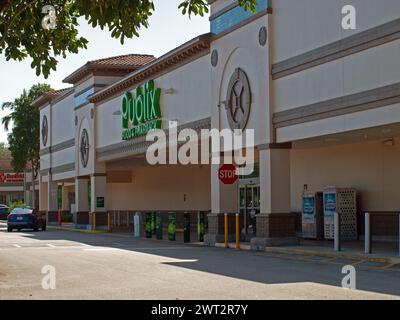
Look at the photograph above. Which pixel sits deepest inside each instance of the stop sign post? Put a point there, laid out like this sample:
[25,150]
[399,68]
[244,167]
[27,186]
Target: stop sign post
[227,174]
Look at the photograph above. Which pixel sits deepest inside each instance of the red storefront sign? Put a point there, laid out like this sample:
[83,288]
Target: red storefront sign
[11,177]
[227,174]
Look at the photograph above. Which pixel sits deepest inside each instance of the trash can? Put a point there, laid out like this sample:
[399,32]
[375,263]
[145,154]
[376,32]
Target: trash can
[171,226]
[186,227]
[200,226]
[159,226]
[148,226]
[153,222]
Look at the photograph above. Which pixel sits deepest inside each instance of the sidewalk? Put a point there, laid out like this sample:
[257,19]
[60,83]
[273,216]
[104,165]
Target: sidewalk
[383,253]
[70,227]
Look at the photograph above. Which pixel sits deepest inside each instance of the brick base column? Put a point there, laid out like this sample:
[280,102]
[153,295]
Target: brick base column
[52,217]
[215,232]
[274,229]
[81,220]
[101,220]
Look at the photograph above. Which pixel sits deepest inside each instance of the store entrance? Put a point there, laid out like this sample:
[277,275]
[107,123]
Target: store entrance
[249,206]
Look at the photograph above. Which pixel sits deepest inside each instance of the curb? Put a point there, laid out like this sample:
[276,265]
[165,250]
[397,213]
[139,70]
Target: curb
[309,252]
[77,230]
[345,255]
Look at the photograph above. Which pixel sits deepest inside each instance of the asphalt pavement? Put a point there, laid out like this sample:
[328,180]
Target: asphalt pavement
[111,266]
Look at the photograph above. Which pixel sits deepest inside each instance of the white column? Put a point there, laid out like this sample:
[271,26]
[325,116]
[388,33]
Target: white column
[81,195]
[98,192]
[52,195]
[42,196]
[224,198]
[215,190]
[274,180]
[65,201]
[337,246]
[367,234]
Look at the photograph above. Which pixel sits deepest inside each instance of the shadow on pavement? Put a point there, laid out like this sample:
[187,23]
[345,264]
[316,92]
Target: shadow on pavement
[244,265]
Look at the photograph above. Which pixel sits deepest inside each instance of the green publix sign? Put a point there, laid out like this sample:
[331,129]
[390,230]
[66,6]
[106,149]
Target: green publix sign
[141,113]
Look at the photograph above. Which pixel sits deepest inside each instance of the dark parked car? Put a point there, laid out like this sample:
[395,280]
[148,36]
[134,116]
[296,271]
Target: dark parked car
[3,212]
[25,218]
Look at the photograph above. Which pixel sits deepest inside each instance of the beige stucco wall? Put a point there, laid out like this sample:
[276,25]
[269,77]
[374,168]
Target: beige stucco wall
[63,120]
[370,167]
[299,26]
[189,102]
[241,49]
[313,24]
[162,188]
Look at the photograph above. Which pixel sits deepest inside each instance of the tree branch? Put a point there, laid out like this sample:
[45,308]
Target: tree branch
[8,27]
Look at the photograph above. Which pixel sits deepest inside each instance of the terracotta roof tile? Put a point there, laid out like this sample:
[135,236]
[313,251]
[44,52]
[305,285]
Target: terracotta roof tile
[129,60]
[125,63]
[56,93]
[50,96]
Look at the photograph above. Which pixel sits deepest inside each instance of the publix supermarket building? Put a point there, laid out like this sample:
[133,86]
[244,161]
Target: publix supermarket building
[323,103]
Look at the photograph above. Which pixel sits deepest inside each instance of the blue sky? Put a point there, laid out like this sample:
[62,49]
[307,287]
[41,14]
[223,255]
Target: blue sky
[168,29]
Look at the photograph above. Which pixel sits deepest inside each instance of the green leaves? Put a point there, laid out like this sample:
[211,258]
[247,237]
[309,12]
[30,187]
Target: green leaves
[194,7]
[24,138]
[22,35]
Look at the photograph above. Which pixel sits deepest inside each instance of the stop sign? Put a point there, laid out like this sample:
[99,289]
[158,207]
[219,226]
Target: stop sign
[227,174]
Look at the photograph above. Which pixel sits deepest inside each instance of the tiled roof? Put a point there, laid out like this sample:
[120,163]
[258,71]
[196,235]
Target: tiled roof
[50,96]
[129,60]
[57,93]
[176,57]
[124,64]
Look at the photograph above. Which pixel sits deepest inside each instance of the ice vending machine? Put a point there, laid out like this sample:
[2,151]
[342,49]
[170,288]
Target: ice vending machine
[313,216]
[344,202]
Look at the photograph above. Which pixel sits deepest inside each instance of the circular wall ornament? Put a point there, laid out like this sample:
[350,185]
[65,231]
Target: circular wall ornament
[262,36]
[84,148]
[214,58]
[238,100]
[45,130]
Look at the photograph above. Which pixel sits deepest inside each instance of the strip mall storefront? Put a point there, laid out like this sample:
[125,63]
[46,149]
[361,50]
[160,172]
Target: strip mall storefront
[11,184]
[321,120]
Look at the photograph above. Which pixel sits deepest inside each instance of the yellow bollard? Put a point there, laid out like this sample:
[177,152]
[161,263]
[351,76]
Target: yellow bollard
[237,232]
[94,221]
[109,221]
[226,229]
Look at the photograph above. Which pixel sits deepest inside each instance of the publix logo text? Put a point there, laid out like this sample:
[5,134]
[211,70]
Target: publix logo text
[141,113]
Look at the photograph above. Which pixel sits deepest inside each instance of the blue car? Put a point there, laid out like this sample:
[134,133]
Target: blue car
[25,218]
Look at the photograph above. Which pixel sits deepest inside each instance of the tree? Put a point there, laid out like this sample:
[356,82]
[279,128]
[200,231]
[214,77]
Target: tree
[22,34]
[5,153]
[24,138]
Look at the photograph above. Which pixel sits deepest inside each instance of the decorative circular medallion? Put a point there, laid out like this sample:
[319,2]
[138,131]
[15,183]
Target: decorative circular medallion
[45,130]
[84,148]
[238,100]
[262,36]
[214,58]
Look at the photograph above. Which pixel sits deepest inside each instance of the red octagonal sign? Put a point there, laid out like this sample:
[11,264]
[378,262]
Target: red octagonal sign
[227,174]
